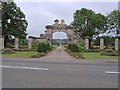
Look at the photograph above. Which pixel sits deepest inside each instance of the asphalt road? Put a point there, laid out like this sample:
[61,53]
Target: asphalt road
[58,70]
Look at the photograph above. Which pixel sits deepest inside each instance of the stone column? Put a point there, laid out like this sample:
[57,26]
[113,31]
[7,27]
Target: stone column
[87,43]
[3,42]
[30,38]
[50,40]
[16,42]
[117,43]
[102,43]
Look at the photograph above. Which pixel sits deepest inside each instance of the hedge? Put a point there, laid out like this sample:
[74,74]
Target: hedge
[42,47]
[73,47]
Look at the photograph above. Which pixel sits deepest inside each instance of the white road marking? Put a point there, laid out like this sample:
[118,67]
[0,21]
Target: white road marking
[45,69]
[111,72]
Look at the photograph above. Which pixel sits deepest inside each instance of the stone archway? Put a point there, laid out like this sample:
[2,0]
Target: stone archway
[56,27]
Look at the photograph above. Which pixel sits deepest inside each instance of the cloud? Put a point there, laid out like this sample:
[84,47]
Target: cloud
[40,14]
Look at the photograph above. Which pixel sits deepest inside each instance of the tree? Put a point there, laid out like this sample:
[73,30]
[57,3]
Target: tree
[108,41]
[13,21]
[113,22]
[87,23]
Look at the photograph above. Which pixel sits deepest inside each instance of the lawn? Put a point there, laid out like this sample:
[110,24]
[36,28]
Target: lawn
[21,54]
[54,47]
[90,55]
[96,55]
[25,54]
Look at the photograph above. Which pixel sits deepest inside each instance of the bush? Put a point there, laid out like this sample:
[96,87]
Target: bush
[109,50]
[92,50]
[8,51]
[109,54]
[10,46]
[73,47]
[95,47]
[81,46]
[23,46]
[79,56]
[35,45]
[76,55]
[42,47]
[38,55]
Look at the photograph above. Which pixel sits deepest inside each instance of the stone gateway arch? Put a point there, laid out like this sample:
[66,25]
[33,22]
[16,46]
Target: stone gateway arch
[56,27]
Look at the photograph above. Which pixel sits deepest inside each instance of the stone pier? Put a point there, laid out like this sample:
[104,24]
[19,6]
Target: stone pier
[16,42]
[117,43]
[3,42]
[87,41]
[102,43]
[30,38]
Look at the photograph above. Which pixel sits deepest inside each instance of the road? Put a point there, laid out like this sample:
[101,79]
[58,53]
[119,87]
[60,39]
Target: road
[58,70]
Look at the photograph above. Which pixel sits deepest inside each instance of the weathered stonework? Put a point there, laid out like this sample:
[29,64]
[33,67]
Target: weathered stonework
[117,43]
[30,38]
[56,27]
[101,43]
[1,43]
[16,42]
[87,43]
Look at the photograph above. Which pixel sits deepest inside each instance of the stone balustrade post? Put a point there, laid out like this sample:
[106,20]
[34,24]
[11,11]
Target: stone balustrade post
[117,43]
[16,42]
[30,39]
[87,41]
[102,43]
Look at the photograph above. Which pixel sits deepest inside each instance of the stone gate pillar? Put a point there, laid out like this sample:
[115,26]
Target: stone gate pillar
[70,34]
[87,41]
[30,39]
[16,42]
[50,39]
[117,43]
[102,43]
[2,42]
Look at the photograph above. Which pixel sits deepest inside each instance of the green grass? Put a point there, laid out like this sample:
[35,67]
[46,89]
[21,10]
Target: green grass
[54,47]
[96,55]
[21,54]
[90,55]
[25,54]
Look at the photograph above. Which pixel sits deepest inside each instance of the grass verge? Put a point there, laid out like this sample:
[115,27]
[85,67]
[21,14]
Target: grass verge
[21,54]
[90,55]
[28,54]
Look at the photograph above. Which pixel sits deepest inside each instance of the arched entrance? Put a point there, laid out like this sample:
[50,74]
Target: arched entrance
[59,38]
[56,27]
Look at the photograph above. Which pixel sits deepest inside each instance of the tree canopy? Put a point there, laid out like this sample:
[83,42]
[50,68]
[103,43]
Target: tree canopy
[88,23]
[113,22]
[13,21]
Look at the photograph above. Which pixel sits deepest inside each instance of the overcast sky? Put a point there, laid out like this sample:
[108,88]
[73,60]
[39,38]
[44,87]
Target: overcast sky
[40,14]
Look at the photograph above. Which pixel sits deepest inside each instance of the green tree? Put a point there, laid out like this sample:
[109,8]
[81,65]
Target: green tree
[108,41]
[87,23]
[13,21]
[113,22]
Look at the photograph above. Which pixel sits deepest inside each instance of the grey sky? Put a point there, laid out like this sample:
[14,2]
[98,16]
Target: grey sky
[40,14]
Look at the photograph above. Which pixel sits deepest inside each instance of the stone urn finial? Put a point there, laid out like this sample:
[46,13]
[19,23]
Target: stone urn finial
[62,21]
[56,21]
